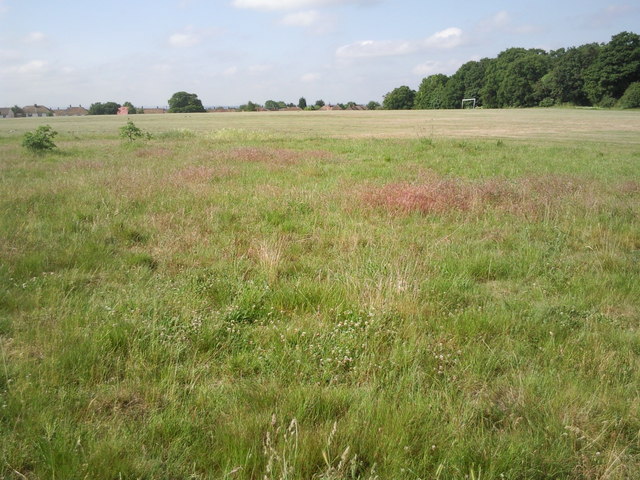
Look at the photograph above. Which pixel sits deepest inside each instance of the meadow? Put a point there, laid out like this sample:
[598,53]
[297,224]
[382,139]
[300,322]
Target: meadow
[322,295]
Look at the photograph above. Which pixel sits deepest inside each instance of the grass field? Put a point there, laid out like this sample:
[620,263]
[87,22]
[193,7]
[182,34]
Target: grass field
[339,295]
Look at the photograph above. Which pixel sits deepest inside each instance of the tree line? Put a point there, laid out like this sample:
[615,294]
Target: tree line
[184,102]
[604,75]
[111,108]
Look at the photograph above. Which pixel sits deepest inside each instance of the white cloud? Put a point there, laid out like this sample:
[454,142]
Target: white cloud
[183,40]
[432,67]
[35,37]
[443,40]
[310,77]
[301,19]
[231,71]
[31,67]
[258,69]
[375,48]
[504,23]
[294,4]
[496,22]
[610,14]
[190,37]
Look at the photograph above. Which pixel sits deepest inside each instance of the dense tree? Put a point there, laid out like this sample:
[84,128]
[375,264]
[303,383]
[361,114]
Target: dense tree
[617,66]
[302,103]
[249,107]
[132,110]
[565,81]
[467,82]
[108,108]
[513,78]
[432,93]
[17,111]
[591,74]
[520,86]
[271,105]
[631,97]
[373,105]
[183,102]
[401,98]
[319,103]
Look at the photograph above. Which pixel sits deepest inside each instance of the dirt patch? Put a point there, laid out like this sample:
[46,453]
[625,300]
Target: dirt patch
[630,187]
[526,196]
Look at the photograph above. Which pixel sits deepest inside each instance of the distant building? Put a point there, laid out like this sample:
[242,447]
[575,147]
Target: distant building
[123,111]
[330,107]
[71,112]
[6,113]
[153,110]
[37,111]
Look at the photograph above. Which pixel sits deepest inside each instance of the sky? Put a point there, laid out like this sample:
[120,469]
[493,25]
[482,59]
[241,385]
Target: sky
[76,52]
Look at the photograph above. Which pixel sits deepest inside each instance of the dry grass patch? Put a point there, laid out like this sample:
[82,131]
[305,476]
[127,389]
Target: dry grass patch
[530,196]
[275,156]
[199,174]
[153,152]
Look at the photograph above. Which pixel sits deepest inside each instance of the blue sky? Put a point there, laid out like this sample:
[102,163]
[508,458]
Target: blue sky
[70,52]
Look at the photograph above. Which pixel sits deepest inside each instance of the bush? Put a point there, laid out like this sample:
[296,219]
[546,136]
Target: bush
[131,131]
[607,102]
[41,140]
[547,102]
[631,97]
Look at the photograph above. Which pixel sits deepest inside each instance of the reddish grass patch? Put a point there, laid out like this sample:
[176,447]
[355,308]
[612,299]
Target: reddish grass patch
[527,196]
[279,156]
[198,174]
[153,152]
[630,187]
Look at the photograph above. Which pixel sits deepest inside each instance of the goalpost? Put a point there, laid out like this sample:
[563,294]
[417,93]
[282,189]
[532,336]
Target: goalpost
[469,100]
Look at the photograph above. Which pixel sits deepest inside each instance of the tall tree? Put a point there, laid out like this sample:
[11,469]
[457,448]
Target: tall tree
[183,102]
[512,79]
[566,79]
[520,86]
[432,93]
[107,108]
[132,110]
[302,103]
[617,66]
[401,98]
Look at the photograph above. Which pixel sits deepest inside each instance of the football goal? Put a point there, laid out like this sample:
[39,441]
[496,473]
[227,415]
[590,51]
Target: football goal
[467,101]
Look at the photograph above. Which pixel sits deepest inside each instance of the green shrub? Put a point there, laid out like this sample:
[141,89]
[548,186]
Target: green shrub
[607,102]
[132,132]
[631,97]
[41,140]
[547,102]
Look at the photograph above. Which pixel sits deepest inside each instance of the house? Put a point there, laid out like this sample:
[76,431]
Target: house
[330,107]
[37,111]
[6,113]
[222,110]
[70,112]
[291,109]
[152,110]
[123,111]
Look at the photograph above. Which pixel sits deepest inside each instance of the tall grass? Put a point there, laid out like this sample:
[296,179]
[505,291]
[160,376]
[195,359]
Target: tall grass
[243,304]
